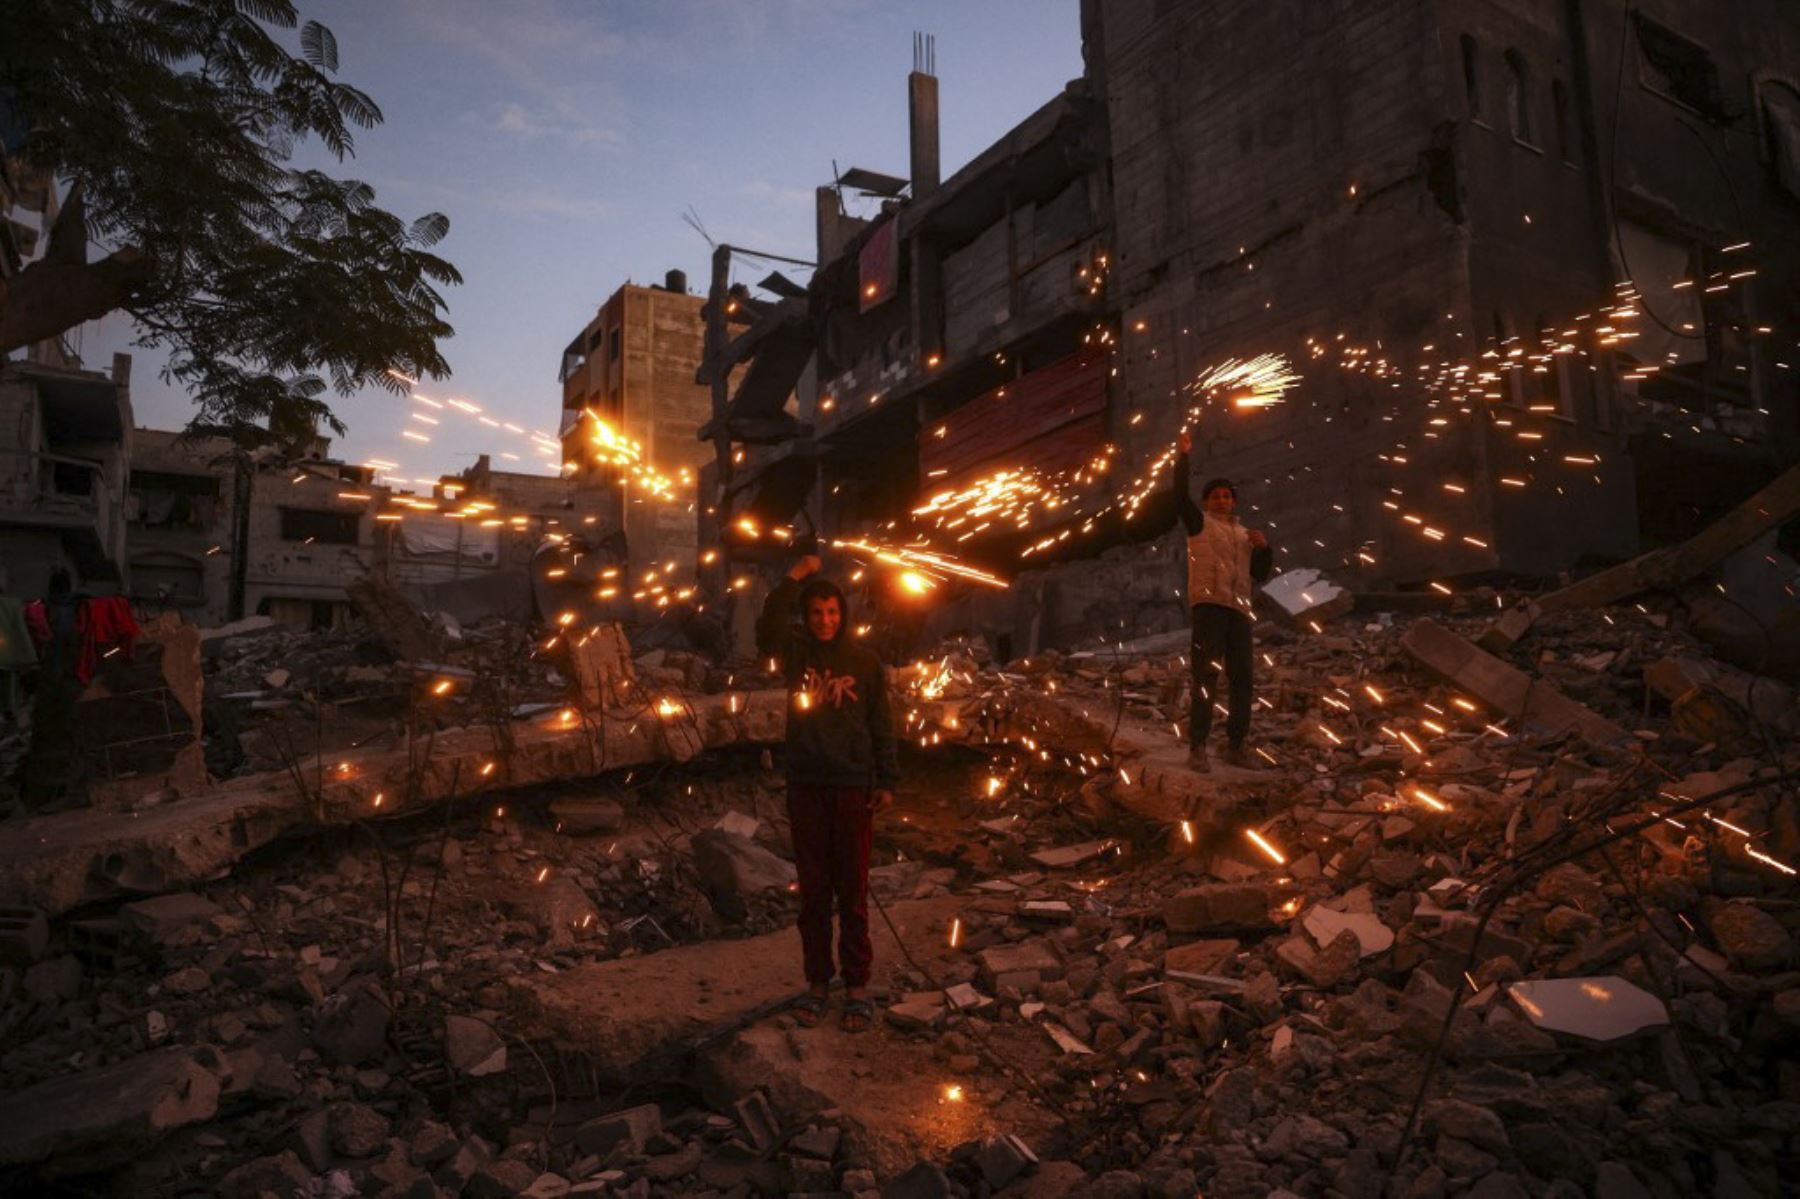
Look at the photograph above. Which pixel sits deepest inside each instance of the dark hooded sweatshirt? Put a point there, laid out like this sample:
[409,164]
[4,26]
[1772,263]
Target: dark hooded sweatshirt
[840,727]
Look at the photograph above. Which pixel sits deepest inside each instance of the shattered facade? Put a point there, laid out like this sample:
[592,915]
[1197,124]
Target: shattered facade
[1443,181]
[633,366]
[63,474]
[218,535]
[1528,259]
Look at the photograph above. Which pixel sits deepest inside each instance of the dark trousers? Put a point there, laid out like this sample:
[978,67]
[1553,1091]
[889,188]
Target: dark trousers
[1221,637]
[832,829]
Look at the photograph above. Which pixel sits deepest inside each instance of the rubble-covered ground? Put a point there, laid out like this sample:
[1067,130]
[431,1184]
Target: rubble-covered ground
[1459,955]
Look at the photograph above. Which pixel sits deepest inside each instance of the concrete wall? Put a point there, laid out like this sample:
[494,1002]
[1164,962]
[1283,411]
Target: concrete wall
[62,496]
[1238,131]
[647,389]
[283,575]
[180,555]
[286,577]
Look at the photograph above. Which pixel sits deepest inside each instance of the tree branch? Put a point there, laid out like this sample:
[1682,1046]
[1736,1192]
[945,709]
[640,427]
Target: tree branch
[48,298]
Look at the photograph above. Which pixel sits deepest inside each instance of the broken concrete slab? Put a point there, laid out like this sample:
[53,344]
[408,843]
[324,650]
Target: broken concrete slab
[1034,955]
[730,864]
[1200,957]
[1765,510]
[1304,595]
[1218,906]
[1506,689]
[888,1086]
[623,1011]
[105,1116]
[163,917]
[1324,925]
[62,860]
[587,816]
[633,1126]
[473,1047]
[1068,857]
[1604,1008]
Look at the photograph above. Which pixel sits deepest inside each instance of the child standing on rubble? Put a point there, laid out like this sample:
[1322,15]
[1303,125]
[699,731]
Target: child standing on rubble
[842,768]
[1224,560]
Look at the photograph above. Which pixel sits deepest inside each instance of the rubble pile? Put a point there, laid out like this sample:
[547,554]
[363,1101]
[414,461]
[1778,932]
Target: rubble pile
[1254,1013]
[1423,945]
[276,692]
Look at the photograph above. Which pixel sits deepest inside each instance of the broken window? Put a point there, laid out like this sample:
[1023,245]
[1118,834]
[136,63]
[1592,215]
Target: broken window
[1518,96]
[573,361]
[168,578]
[1679,69]
[612,345]
[166,500]
[1471,76]
[1662,269]
[70,476]
[1692,348]
[315,526]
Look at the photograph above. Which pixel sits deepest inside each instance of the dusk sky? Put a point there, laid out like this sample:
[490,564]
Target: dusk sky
[565,139]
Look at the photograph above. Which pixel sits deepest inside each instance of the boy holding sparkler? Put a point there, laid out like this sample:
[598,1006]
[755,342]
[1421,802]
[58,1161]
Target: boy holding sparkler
[1224,561]
[842,768]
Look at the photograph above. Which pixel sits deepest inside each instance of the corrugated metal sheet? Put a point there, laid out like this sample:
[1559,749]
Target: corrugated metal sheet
[1053,419]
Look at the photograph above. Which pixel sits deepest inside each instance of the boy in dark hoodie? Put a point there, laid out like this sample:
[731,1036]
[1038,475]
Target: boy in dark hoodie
[842,768]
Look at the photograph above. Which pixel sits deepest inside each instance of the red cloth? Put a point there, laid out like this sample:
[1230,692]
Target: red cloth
[103,622]
[38,623]
[833,829]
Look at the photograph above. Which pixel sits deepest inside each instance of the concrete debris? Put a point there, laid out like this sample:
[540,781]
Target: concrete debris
[1305,594]
[587,816]
[1372,936]
[733,866]
[1081,955]
[1601,1009]
[94,1119]
[473,1047]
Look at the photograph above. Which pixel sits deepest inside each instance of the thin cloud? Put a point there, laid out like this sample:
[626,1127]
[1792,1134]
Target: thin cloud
[785,197]
[517,121]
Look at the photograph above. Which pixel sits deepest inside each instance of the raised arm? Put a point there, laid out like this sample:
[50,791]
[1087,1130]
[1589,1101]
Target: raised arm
[1192,519]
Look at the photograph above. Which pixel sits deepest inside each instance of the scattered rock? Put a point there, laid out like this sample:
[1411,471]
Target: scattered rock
[473,1047]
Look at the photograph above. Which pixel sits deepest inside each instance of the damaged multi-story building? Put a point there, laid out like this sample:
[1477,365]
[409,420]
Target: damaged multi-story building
[632,366]
[66,431]
[218,534]
[1535,263]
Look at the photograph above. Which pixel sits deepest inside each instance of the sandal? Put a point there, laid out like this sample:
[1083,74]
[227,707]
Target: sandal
[809,1009]
[858,1015]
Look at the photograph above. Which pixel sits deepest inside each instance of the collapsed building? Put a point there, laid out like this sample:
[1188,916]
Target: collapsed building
[1535,265]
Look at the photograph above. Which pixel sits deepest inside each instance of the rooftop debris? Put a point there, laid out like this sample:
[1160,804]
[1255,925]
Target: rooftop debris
[1457,897]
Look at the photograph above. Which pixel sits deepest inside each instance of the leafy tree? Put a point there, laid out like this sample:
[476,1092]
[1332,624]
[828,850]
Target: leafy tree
[173,124]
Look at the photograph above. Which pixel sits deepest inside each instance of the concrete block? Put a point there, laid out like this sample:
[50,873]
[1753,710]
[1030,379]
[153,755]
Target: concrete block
[632,1126]
[163,916]
[105,1116]
[1212,906]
